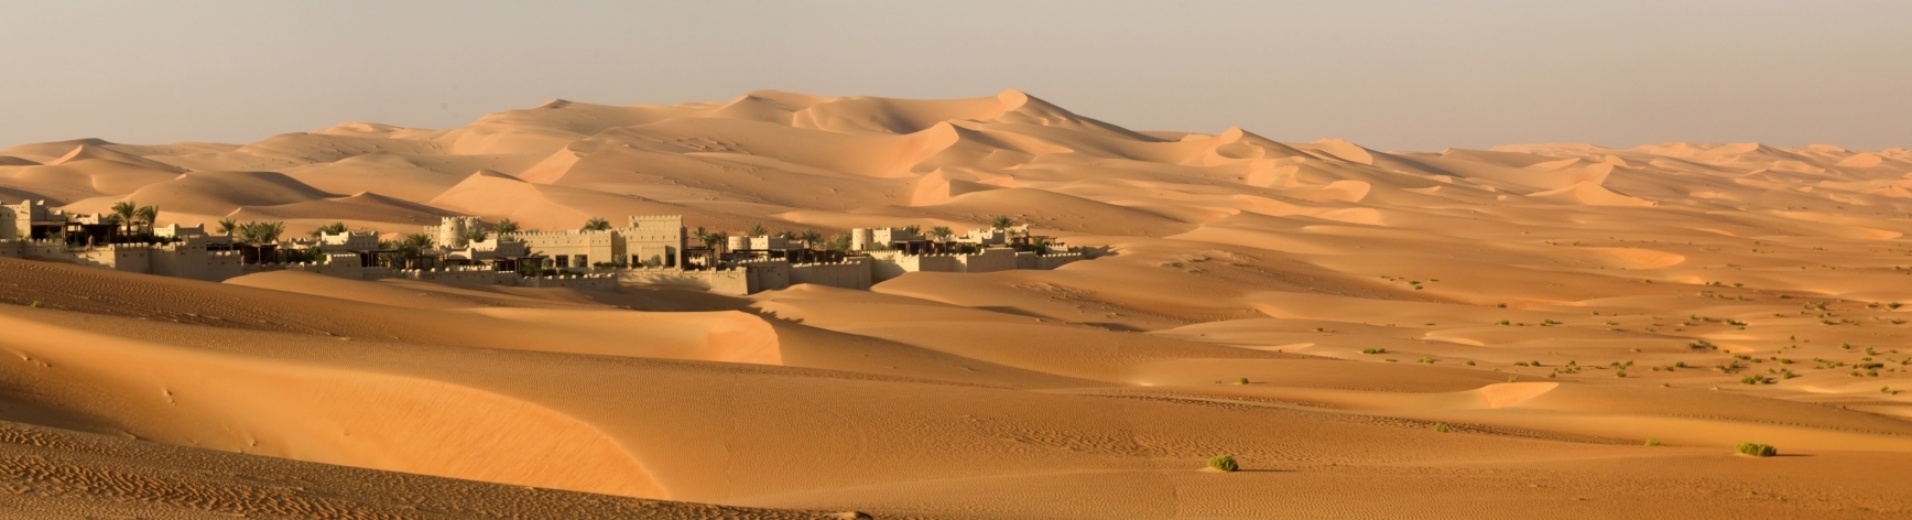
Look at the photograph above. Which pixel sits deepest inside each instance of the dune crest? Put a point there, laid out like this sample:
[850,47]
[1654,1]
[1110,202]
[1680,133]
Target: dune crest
[1548,326]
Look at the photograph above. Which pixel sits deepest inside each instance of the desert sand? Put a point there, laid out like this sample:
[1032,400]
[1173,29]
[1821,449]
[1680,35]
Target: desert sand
[1457,334]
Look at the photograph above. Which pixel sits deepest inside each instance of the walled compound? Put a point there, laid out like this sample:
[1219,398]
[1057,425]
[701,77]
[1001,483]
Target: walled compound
[649,251]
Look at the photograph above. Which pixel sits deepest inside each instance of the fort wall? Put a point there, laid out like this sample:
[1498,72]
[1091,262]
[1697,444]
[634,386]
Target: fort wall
[852,273]
[989,260]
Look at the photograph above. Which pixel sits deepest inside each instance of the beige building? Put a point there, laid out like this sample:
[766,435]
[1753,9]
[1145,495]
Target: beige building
[648,241]
[348,242]
[655,241]
[30,220]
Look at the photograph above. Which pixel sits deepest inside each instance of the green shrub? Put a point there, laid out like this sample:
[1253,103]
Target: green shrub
[1242,381]
[1751,449]
[36,304]
[1440,427]
[1652,442]
[1371,351]
[1224,462]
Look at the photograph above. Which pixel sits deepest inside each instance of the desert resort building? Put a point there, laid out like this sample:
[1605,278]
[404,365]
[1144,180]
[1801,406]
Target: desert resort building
[648,251]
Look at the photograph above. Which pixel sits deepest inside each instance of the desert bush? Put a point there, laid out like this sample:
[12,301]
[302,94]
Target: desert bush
[1372,351]
[37,305]
[1242,381]
[1224,462]
[1440,427]
[1652,442]
[1752,449]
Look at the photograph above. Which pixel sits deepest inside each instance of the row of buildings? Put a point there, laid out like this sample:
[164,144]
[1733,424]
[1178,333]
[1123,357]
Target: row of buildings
[649,250]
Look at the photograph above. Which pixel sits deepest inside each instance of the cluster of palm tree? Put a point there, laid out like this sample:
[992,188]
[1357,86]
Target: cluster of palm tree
[258,237]
[507,227]
[709,238]
[476,234]
[130,216]
[408,249]
[259,234]
[328,229]
[597,224]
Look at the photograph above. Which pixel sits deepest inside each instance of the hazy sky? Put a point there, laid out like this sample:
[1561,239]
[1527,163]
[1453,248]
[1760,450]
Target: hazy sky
[1405,74]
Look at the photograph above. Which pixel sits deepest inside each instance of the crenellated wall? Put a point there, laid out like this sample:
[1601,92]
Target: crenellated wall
[582,282]
[852,273]
[1054,260]
[989,260]
[766,275]
[734,282]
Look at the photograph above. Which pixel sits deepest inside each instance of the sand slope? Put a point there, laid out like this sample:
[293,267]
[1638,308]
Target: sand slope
[1552,306]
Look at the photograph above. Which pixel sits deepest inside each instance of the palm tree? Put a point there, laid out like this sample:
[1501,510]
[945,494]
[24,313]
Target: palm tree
[811,238]
[418,240]
[756,230]
[717,239]
[702,235]
[787,234]
[147,215]
[413,247]
[1001,222]
[475,235]
[123,213]
[329,229]
[505,227]
[597,224]
[227,226]
[912,229]
[941,234]
[261,233]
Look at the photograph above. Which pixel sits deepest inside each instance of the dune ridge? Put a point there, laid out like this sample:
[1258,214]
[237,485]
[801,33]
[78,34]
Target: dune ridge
[1372,333]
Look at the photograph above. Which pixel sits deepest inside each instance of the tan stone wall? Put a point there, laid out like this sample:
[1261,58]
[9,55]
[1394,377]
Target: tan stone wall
[585,282]
[989,260]
[597,246]
[1054,260]
[733,282]
[767,275]
[854,273]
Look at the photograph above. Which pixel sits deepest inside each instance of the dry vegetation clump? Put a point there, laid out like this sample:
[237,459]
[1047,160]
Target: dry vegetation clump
[1224,463]
[1753,449]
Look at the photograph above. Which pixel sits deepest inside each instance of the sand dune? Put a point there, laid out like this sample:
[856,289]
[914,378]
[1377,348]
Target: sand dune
[1314,309]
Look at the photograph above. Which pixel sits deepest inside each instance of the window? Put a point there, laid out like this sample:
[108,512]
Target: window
[583,261]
